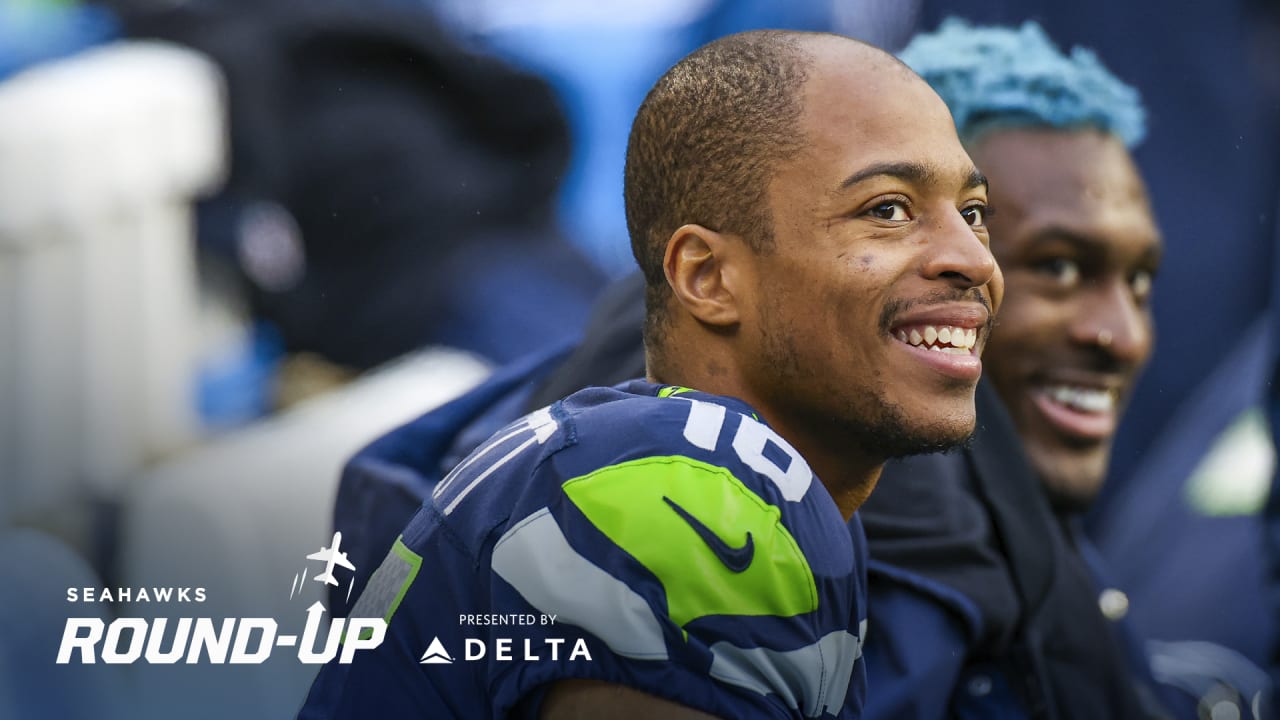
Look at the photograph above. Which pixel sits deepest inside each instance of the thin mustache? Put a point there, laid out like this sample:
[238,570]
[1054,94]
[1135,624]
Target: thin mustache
[894,308]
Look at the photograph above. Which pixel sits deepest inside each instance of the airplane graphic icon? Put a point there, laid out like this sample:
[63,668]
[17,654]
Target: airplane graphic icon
[331,556]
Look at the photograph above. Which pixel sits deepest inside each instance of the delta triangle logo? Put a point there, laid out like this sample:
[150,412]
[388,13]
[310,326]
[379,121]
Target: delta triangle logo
[435,654]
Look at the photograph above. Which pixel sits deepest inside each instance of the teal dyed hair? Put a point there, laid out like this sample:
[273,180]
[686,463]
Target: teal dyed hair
[994,77]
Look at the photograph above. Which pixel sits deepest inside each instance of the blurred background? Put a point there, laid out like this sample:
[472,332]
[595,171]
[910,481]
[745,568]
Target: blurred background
[240,239]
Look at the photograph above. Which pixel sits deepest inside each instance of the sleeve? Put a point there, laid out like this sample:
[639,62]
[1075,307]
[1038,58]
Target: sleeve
[668,574]
[918,654]
[915,653]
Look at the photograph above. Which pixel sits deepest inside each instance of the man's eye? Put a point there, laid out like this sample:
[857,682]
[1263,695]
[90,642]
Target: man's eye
[976,215]
[892,210]
[1065,272]
[1140,283]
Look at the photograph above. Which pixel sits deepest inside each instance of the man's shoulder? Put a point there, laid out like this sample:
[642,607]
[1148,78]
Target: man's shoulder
[704,495]
[651,468]
[647,466]
[532,456]
[661,431]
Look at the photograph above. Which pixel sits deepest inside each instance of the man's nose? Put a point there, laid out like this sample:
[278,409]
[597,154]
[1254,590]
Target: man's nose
[958,256]
[1112,321]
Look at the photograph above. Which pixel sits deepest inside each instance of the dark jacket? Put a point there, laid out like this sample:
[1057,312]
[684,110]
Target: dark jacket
[981,606]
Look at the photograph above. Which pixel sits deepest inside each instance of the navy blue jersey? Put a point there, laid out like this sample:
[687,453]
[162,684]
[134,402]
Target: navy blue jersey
[648,536]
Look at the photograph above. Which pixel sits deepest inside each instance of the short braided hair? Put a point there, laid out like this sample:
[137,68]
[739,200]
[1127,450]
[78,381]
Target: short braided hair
[996,78]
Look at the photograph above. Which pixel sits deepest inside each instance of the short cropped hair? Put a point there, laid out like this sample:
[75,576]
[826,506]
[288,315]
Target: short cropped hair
[999,78]
[703,147]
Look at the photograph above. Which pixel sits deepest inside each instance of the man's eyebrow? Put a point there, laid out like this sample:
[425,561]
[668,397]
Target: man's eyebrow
[976,180]
[1089,243]
[911,172]
[1059,234]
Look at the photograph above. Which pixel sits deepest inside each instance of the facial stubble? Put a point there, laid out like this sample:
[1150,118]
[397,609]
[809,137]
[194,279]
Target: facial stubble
[869,421]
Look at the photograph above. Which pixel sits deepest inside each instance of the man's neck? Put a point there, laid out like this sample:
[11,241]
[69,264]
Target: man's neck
[848,476]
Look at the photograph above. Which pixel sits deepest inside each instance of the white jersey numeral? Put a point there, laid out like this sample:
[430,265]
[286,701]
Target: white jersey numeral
[702,430]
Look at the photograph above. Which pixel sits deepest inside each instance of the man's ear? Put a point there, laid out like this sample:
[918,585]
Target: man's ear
[702,268]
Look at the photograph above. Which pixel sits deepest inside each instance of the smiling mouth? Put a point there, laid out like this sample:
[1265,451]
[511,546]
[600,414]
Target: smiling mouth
[1079,411]
[940,338]
[1082,399]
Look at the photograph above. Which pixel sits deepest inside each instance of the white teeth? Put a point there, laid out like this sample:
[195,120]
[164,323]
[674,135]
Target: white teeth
[1083,398]
[945,338]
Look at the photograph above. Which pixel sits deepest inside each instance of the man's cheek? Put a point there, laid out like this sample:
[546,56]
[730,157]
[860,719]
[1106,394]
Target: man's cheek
[995,288]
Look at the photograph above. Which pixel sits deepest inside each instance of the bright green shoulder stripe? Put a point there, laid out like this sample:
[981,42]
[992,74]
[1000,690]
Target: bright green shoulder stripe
[414,562]
[388,584]
[672,390]
[635,504]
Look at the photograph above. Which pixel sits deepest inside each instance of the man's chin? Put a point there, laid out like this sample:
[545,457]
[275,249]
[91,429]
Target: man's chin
[897,433]
[925,441]
[1071,496]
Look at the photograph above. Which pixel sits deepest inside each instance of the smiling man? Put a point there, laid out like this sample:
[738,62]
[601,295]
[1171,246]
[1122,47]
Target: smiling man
[1079,248]
[810,295]
[819,287]
[1075,237]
